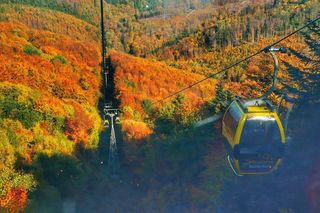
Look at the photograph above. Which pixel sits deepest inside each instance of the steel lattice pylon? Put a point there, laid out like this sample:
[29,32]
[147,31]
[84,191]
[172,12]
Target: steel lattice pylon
[113,151]
[113,164]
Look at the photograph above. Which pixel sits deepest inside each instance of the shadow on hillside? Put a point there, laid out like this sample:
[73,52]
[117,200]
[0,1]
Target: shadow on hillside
[62,179]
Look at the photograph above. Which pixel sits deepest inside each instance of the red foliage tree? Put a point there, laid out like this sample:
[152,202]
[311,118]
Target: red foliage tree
[78,127]
[15,200]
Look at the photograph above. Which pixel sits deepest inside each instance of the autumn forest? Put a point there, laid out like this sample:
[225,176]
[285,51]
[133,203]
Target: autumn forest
[54,144]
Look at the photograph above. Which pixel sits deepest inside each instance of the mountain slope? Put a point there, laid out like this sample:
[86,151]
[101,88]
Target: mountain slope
[50,81]
[49,88]
[141,85]
[49,20]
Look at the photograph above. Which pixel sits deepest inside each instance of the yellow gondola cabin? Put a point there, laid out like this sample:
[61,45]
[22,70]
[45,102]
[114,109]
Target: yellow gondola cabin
[255,136]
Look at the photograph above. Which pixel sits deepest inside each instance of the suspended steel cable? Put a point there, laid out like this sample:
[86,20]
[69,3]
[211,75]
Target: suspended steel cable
[104,66]
[240,61]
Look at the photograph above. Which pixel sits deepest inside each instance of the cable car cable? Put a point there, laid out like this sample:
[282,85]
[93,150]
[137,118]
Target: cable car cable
[240,61]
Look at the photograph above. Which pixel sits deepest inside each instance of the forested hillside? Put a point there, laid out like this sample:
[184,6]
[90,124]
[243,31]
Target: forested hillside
[50,81]
[141,84]
[49,88]
[206,27]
